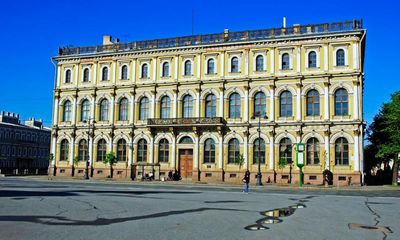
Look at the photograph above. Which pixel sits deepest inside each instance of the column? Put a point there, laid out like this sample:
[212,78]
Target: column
[298,102]
[114,72]
[271,151]
[94,72]
[130,152]
[326,101]
[53,147]
[196,152]
[356,150]
[175,106]
[74,109]
[272,103]
[133,76]
[220,150]
[72,151]
[246,104]
[153,105]
[112,108]
[154,62]
[173,159]
[58,83]
[326,58]
[198,66]
[272,61]
[298,57]
[132,109]
[246,63]
[76,74]
[92,110]
[222,69]
[152,148]
[221,102]
[56,112]
[90,149]
[355,100]
[245,150]
[176,74]
[198,102]
[355,55]
[327,150]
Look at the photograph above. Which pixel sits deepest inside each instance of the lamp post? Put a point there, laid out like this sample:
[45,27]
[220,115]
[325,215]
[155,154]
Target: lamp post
[259,175]
[88,155]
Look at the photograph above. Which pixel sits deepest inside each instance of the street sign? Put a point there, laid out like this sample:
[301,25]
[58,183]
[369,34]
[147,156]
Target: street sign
[300,160]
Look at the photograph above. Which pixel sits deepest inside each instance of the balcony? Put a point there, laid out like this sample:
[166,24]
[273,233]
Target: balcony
[215,122]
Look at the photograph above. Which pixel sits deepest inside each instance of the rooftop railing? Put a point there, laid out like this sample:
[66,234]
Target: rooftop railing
[216,38]
[168,122]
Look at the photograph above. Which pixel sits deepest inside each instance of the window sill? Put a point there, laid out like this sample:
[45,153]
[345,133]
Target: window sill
[286,118]
[144,78]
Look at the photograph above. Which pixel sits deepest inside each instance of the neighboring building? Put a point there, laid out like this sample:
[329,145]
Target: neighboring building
[24,148]
[187,103]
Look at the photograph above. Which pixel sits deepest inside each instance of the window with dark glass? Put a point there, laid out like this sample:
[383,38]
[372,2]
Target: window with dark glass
[186,140]
[211,106]
[285,150]
[68,76]
[145,73]
[259,63]
[67,111]
[187,106]
[209,151]
[312,59]
[259,148]
[104,110]
[233,150]
[142,151]
[285,61]
[341,102]
[340,61]
[165,69]
[124,72]
[104,74]
[234,65]
[123,109]
[234,105]
[312,103]
[285,104]
[144,108]
[64,150]
[260,104]
[210,66]
[85,75]
[121,150]
[165,110]
[188,68]
[163,151]
[85,110]
[101,150]
[341,151]
[83,153]
[312,151]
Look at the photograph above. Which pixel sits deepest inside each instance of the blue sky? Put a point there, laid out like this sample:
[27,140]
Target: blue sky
[31,32]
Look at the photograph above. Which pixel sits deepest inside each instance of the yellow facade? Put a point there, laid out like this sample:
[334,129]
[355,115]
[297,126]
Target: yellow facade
[329,74]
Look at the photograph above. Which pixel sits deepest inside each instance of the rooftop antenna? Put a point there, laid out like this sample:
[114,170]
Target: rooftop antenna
[284,22]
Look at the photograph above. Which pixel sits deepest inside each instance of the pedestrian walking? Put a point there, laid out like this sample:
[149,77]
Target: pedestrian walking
[246,181]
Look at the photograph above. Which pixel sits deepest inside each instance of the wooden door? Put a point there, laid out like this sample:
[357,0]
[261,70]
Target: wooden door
[186,162]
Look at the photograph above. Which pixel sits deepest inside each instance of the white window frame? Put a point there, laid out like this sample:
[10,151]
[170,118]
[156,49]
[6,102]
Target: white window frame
[83,71]
[316,49]
[148,69]
[101,72]
[191,59]
[238,55]
[127,71]
[162,68]
[345,48]
[256,54]
[65,72]
[215,65]
[290,52]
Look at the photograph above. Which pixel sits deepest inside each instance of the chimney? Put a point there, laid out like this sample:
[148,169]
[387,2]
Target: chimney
[116,40]
[284,22]
[107,40]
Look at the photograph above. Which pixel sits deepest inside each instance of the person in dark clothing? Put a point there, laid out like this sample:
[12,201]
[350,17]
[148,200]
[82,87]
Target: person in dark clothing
[170,175]
[246,181]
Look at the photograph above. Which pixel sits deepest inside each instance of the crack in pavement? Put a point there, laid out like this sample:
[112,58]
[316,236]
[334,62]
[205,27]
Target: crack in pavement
[92,206]
[376,218]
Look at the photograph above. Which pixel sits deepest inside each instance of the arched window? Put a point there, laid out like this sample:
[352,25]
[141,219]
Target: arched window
[85,75]
[165,109]
[85,110]
[312,59]
[123,109]
[260,104]
[186,140]
[121,150]
[341,151]
[341,102]
[83,153]
[165,69]
[124,72]
[285,150]
[312,151]
[259,63]
[234,105]
[312,103]
[144,108]
[209,151]
[104,74]
[145,73]
[233,150]
[67,110]
[163,151]
[285,104]
[259,148]
[188,68]
[68,76]
[211,106]
[234,65]
[187,106]
[340,58]
[101,150]
[103,110]
[210,66]
[285,61]
[142,151]
[64,150]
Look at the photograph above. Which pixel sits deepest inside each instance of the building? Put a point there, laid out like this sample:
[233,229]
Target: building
[24,148]
[188,103]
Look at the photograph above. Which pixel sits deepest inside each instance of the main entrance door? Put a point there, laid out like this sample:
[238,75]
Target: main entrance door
[186,162]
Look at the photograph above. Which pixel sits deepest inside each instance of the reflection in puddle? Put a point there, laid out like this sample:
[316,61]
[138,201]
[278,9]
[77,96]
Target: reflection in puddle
[298,206]
[282,212]
[269,220]
[256,227]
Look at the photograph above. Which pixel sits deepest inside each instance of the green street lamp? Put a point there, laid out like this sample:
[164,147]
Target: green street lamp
[260,115]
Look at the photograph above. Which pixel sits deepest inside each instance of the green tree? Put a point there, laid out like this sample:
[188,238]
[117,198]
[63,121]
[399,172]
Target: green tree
[384,134]
[240,160]
[111,160]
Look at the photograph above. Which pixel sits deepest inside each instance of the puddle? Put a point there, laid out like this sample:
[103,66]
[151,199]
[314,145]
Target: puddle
[256,227]
[303,200]
[383,229]
[18,198]
[298,206]
[281,212]
[269,220]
